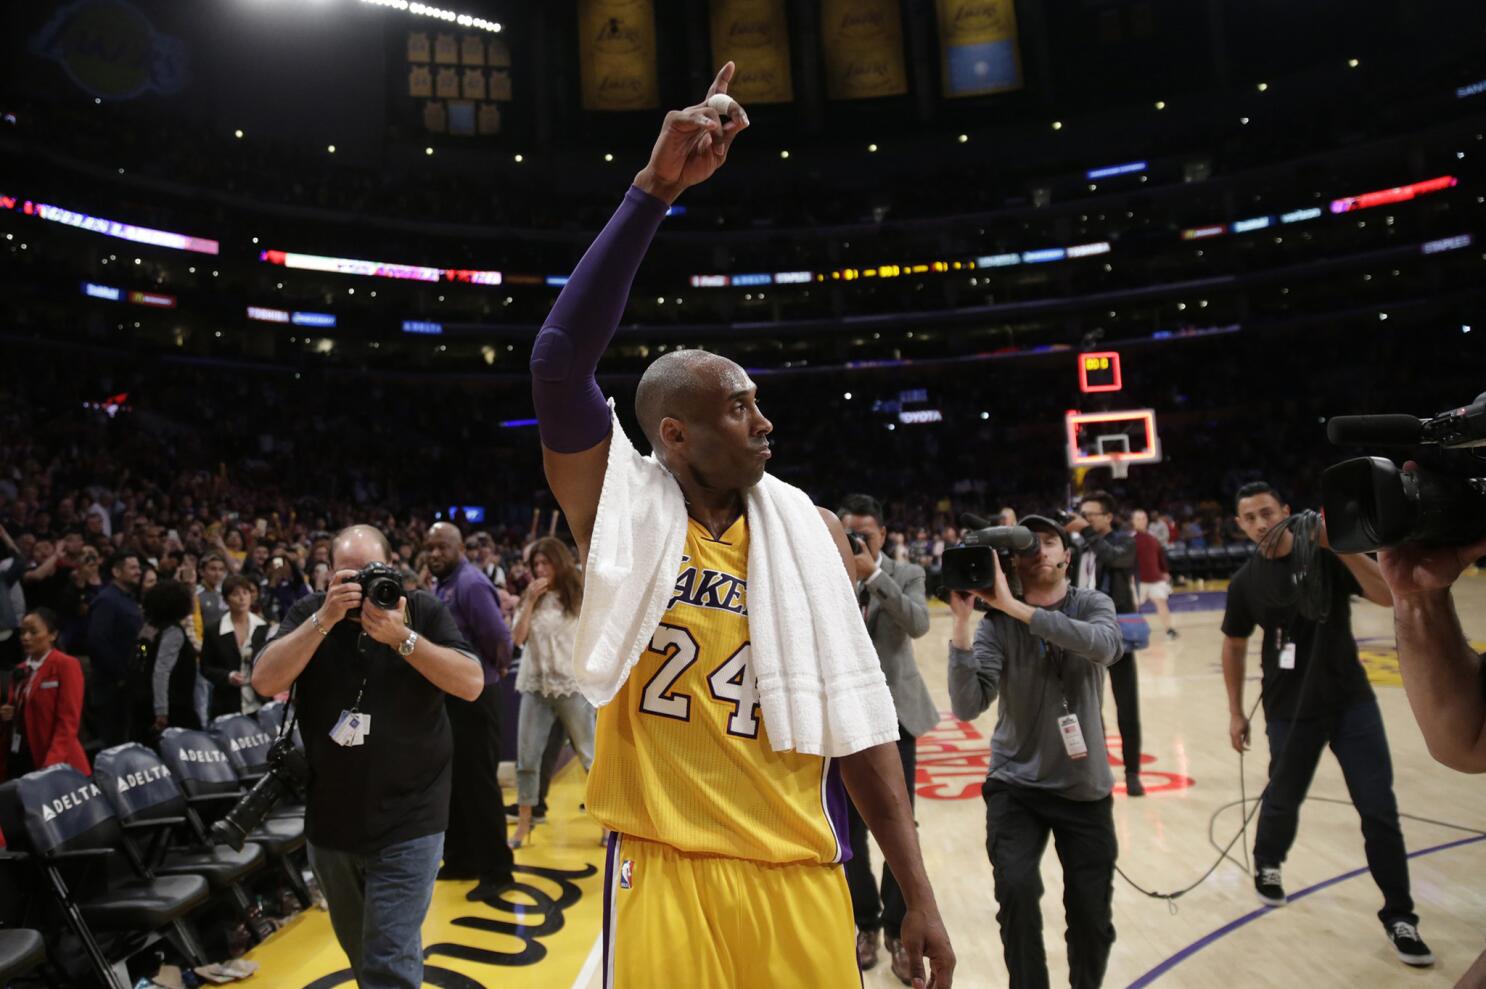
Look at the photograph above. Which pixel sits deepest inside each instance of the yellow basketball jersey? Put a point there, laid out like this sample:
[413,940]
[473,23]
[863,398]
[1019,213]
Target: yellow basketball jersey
[682,754]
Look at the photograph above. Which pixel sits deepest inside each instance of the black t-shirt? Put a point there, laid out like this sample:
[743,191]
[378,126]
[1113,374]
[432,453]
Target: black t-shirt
[394,786]
[1263,593]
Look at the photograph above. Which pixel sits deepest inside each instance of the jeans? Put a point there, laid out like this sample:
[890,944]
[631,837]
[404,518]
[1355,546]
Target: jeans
[1356,736]
[1125,686]
[476,840]
[377,905]
[1018,821]
[534,724]
[874,912]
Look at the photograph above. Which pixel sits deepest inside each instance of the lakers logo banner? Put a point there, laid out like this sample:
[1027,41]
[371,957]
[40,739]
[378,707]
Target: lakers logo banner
[616,48]
[755,35]
[863,42]
[978,46]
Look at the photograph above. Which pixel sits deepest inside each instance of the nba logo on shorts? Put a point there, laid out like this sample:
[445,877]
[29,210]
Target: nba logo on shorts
[626,873]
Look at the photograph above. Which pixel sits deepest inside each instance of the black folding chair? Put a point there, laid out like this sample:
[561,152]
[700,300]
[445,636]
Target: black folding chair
[211,785]
[62,820]
[143,792]
[22,949]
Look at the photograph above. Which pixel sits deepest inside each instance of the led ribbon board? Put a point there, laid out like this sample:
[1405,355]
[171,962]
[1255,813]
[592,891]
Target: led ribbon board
[110,228]
[379,269]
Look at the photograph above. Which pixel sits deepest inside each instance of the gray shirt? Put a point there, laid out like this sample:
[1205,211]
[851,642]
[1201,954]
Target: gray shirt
[1021,664]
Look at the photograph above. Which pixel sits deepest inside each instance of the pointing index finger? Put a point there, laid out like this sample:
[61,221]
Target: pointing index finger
[724,76]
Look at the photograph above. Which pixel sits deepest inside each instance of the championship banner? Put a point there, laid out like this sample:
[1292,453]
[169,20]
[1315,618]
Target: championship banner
[863,42]
[755,35]
[616,48]
[978,46]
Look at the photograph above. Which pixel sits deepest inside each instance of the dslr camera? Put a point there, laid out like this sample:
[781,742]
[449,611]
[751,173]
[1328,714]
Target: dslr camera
[288,772]
[381,584]
[967,566]
[1373,504]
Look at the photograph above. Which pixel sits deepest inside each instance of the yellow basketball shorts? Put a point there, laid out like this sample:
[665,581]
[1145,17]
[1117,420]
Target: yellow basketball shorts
[707,922]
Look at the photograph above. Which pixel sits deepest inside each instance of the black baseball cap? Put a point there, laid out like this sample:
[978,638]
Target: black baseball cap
[1036,522]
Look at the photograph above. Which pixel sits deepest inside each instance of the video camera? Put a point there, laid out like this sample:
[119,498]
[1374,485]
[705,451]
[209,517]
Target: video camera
[1373,504]
[968,567]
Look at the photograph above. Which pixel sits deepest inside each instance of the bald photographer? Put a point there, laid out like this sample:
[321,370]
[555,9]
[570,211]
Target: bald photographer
[370,669]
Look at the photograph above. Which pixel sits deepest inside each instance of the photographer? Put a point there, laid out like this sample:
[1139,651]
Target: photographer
[1044,656]
[378,791]
[1441,672]
[896,612]
[1315,694]
[1106,562]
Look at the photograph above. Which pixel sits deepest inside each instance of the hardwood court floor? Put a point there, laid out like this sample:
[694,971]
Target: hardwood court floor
[1218,935]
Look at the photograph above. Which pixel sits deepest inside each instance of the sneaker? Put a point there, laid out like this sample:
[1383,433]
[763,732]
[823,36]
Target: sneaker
[538,813]
[1267,885]
[900,965]
[867,945]
[1410,946]
[1171,633]
[1133,786]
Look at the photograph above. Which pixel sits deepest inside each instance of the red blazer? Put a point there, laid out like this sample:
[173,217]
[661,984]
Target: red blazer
[52,711]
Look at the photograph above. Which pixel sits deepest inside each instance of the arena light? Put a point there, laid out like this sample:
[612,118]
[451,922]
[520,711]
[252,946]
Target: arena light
[793,277]
[1254,223]
[155,300]
[1300,215]
[423,326]
[110,228]
[709,281]
[997,260]
[1445,244]
[379,269]
[556,281]
[312,319]
[744,281]
[1397,194]
[263,314]
[1198,233]
[516,423]
[1474,89]
[96,291]
[425,10]
[1110,171]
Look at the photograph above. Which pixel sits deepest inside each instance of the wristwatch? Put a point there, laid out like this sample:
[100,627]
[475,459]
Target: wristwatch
[408,645]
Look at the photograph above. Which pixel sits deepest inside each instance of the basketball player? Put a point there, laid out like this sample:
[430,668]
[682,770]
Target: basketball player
[725,859]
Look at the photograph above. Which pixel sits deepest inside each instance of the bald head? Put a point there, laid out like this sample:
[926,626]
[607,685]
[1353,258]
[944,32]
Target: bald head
[680,385]
[356,546]
[444,543]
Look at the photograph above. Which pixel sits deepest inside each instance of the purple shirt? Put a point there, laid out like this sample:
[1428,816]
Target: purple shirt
[471,599]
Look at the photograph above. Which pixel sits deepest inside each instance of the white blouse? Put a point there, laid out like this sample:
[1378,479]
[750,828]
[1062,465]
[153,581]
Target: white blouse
[547,660]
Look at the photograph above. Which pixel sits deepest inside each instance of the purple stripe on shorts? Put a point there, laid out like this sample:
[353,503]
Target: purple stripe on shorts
[836,809]
[609,903]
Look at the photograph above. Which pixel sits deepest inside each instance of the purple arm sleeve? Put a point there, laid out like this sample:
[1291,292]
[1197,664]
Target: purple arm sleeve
[572,415]
[493,639]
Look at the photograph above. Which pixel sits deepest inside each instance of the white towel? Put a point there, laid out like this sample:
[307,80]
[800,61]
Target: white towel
[820,685]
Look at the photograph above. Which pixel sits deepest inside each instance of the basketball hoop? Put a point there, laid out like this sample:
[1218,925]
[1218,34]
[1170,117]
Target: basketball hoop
[1119,467]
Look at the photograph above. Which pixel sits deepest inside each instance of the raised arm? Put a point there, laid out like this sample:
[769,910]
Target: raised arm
[572,416]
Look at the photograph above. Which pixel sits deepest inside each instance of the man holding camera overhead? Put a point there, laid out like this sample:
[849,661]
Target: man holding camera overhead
[1043,654]
[371,670]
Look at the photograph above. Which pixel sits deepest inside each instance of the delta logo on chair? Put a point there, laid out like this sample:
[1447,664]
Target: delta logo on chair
[57,806]
[143,777]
